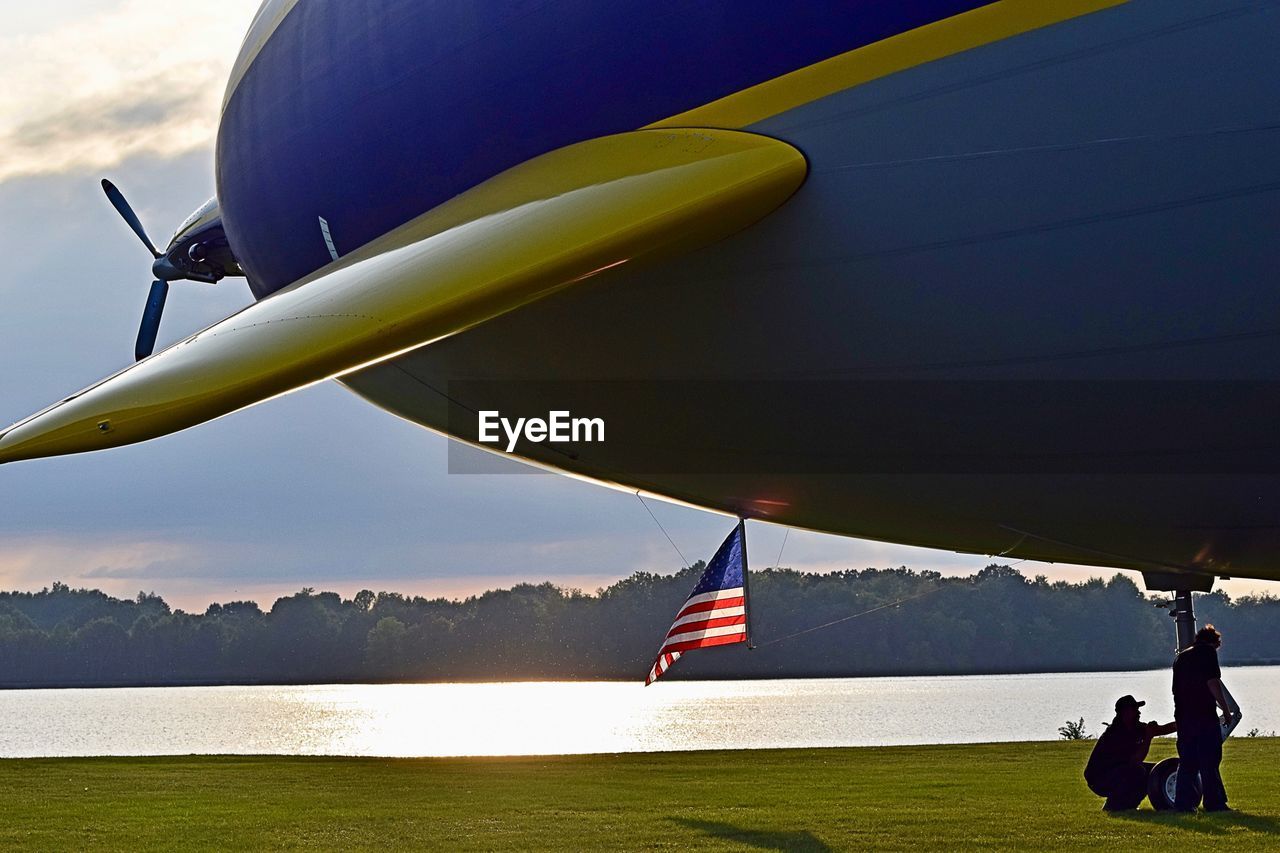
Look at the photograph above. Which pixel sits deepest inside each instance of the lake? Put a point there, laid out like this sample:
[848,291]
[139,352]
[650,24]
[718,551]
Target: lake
[545,718]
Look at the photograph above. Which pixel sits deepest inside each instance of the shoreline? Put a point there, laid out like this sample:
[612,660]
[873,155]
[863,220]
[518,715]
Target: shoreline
[994,673]
[1163,740]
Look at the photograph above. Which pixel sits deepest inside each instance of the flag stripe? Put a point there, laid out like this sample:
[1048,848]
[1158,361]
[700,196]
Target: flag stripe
[661,665]
[702,607]
[704,615]
[738,627]
[716,622]
[714,641]
[716,595]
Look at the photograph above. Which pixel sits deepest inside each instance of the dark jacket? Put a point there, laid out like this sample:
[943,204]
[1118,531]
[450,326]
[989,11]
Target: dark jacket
[1192,702]
[1119,745]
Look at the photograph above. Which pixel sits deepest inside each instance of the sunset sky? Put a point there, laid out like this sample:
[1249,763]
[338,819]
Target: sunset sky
[316,489]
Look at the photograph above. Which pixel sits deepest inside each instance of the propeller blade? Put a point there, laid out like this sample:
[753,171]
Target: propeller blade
[122,207]
[150,327]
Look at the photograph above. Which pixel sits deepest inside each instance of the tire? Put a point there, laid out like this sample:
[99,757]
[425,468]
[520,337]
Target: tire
[1162,784]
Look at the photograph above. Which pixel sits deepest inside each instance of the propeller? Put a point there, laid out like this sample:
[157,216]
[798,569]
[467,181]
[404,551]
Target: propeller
[165,271]
[150,327]
[122,207]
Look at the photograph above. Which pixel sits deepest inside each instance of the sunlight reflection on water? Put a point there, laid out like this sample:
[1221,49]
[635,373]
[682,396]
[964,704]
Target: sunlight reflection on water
[565,717]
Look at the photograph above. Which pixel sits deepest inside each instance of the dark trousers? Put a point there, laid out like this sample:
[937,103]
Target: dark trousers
[1200,754]
[1125,786]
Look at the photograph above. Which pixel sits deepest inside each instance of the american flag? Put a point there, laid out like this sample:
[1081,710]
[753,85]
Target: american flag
[715,614]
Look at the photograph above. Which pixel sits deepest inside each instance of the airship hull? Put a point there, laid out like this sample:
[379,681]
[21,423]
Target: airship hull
[994,277]
[1088,201]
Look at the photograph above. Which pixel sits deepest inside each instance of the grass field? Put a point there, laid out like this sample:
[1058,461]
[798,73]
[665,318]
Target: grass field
[998,796]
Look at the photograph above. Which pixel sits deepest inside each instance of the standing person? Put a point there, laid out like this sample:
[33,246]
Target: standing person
[1197,692]
[1116,769]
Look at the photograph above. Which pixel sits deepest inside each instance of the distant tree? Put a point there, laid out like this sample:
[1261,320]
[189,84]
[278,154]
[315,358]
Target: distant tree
[102,647]
[997,620]
[151,601]
[302,637]
[384,648]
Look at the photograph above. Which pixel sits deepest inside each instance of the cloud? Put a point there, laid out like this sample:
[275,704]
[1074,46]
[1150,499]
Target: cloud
[36,560]
[162,569]
[93,91]
[124,118]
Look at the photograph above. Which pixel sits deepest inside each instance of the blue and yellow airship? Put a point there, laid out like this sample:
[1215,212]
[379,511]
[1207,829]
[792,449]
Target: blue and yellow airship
[996,277]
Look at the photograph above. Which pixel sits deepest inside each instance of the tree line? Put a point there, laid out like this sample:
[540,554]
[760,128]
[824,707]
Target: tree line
[996,620]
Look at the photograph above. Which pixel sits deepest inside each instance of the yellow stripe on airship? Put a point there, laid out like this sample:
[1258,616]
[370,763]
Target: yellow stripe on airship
[537,227]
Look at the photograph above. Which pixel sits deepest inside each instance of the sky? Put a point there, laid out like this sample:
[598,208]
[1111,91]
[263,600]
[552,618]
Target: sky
[316,489]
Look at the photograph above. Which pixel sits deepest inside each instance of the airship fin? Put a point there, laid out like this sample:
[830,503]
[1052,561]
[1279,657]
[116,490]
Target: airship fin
[551,222]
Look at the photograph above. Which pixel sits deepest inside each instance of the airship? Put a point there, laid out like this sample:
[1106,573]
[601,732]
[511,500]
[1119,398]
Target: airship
[991,277]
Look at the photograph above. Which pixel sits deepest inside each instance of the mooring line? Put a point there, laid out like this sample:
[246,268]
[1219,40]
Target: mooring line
[777,564]
[847,618]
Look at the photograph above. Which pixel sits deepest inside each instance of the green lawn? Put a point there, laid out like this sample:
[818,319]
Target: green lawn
[997,796]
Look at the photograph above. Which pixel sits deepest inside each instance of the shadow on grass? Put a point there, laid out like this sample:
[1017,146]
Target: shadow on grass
[800,839]
[1206,823]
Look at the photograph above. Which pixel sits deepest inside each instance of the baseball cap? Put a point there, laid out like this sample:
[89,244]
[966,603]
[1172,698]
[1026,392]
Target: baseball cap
[1128,702]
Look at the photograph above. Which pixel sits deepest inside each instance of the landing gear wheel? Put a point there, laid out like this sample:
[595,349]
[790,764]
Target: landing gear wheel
[1162,785]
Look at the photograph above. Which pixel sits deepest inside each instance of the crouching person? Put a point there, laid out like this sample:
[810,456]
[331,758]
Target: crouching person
[1117,769]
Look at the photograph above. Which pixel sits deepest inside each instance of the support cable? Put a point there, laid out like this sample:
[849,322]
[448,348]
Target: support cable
[684,564]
